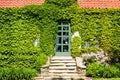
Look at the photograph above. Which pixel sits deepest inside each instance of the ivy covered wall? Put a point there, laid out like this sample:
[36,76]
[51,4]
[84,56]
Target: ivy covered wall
[20,27]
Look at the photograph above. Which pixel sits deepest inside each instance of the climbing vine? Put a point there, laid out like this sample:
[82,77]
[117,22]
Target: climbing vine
[20,27]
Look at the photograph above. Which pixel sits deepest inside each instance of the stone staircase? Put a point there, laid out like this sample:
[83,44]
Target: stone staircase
[62,65]
[60,68]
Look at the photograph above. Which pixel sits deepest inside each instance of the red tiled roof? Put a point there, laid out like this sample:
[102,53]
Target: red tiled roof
[99,3]
[19,3]
[82,3]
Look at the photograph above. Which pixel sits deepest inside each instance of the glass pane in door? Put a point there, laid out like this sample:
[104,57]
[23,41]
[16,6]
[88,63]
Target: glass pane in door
[59,40]
[59,33]
[65,40]
[58,48]
[66,33]
[65,27]
[65,48]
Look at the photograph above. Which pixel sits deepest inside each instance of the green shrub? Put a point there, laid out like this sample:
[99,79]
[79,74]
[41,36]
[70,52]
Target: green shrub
[95,70]
[114,55]
[17,74]
[98,70]
[117,65]
[106,78]
[76,46]
[110,72]
[21,61]
[93,49]
[41,60]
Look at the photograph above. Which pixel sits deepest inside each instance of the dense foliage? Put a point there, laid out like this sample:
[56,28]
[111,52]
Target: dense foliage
[20,27]
[76,46]
[99,70]
[61,3]
[17,74]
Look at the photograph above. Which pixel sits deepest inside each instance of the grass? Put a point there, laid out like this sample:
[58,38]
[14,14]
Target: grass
[106,78]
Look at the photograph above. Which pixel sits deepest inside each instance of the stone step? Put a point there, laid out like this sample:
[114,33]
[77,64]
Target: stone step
[55,67]
[65,74]
[63,78]
[62,74]
[63,64]
[61,57]
[65,61]
[62,71]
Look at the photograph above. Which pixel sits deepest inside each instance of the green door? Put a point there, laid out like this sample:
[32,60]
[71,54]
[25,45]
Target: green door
[63,42]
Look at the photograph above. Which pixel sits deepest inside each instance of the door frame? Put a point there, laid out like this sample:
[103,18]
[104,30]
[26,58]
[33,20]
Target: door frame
[65,30]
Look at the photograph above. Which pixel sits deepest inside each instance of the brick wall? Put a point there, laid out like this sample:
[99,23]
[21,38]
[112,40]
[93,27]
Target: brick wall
[99,3]
[82,3]
[19,3]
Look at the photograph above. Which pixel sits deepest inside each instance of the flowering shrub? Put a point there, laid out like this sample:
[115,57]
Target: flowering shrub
[93,57]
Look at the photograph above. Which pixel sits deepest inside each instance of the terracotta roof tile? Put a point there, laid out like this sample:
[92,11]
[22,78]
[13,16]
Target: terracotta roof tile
[99,3]
[82,3]
[19,3]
